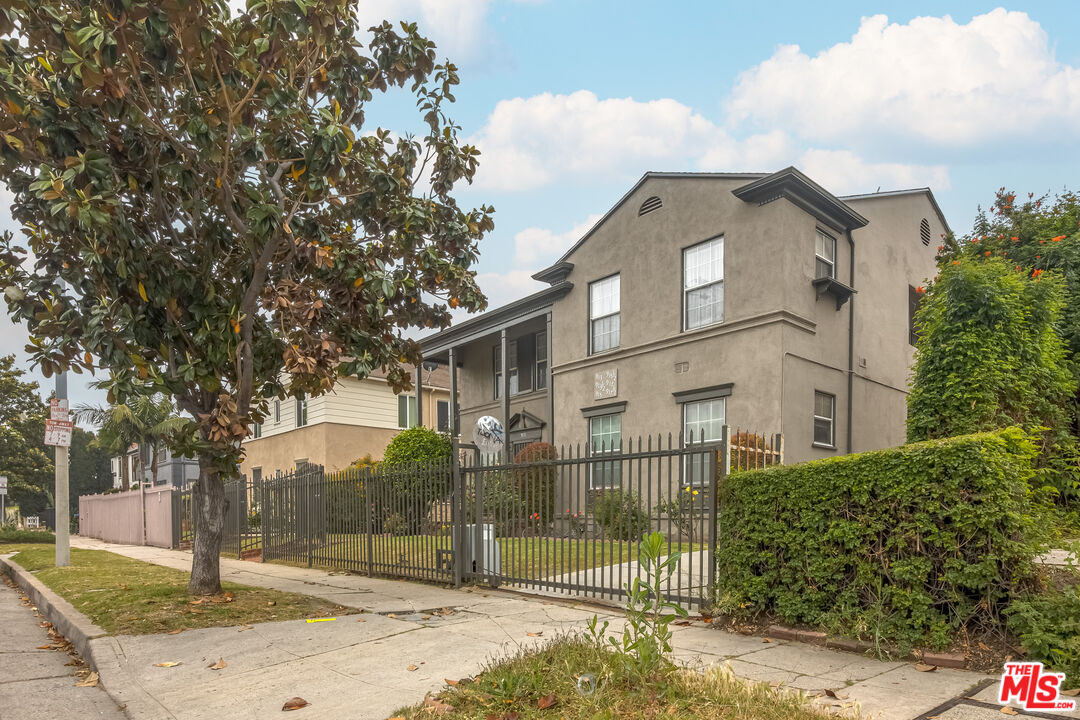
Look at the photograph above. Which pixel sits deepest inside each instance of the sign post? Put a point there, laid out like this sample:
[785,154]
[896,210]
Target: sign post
[58,429]
[3,499]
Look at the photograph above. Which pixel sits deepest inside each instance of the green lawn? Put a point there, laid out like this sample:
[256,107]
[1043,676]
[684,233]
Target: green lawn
[131,597]
[525,558]
[544,685]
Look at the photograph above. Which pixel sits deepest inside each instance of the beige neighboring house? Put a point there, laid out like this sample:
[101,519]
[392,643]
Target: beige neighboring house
[761,301]
[359,417]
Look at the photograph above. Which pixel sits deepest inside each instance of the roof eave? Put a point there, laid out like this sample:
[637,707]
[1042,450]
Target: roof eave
[796,187]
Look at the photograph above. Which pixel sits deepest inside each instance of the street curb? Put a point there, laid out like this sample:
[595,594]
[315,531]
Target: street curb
[101,652]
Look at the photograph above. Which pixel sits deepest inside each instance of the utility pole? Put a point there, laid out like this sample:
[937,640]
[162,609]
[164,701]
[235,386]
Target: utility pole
[63,516]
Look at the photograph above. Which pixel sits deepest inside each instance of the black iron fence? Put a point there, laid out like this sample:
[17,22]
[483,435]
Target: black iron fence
[566,521]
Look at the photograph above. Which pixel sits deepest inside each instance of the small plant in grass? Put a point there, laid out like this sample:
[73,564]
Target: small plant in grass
[1048,625]
[684,511]
[646,636]
[620,514]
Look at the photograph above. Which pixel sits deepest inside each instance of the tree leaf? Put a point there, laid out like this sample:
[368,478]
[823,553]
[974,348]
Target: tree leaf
[219,665]
[923,667]
[548,701]
[295,703]
[90,681]
[166,664]
[412,668]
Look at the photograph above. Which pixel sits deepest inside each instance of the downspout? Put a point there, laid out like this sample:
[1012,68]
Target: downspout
[851,342]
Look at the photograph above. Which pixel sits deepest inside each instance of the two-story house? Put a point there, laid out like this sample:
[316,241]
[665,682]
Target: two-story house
[759,301]
[357,418]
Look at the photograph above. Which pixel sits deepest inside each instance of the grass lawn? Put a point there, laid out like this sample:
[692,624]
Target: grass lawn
[544,684]
[526,558]
[131,597]
[9,535]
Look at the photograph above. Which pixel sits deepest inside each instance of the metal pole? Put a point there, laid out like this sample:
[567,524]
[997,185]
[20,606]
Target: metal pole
[457,511]
[419,394]
[63,520]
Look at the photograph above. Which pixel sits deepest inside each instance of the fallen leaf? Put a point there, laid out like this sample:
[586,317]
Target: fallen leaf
[512,715]
[219,665]
[360,620]
[90,681]
[983,645]
[271,603]
[1007,710]
[44,647]
[391,615]
[175,632]
[437,706]
[535,634]
[451,683]
[1070,693]
[546,702]
[682,623]
[412,668]
[166,664]
[923,667]
[243,627]
[230,594]
[835,695]
[200,601]
[295,704]
[766,640]
[425,617]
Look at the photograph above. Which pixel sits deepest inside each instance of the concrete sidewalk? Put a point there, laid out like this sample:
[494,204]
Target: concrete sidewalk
[399,649]
[36,682]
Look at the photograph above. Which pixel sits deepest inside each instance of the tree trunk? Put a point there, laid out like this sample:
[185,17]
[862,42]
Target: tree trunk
[125,472]
[208,516]
[154,464]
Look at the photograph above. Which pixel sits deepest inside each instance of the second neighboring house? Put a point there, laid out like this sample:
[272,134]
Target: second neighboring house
[172,469]
[759,301]
[357,418]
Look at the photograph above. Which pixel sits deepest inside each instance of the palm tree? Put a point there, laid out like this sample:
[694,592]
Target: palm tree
[145,420]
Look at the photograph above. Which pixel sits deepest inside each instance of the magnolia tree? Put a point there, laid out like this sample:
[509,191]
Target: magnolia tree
[207,213]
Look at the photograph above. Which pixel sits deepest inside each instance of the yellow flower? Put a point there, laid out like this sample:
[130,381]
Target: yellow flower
[695,492]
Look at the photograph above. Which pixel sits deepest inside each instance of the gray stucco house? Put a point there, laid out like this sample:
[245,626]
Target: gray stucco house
[758,300]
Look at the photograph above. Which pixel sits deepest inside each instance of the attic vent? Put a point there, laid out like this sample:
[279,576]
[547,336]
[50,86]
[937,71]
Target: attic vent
[924,232]
[653,203]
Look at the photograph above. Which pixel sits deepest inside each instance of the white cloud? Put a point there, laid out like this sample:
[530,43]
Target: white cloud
[531,142]
[843,172]
[931,79]
[540,245]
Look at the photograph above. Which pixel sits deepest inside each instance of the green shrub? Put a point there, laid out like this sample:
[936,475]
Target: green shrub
[12,535]
[417,445]
[1048,625]
[620,515]
[904,545]
[536,482]
[414,473]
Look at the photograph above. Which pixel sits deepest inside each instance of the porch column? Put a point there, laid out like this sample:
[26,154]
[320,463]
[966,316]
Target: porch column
[504,357]
[420,393]
[550,388]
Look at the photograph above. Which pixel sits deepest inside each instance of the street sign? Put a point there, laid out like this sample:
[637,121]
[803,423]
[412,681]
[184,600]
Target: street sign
[58,410]
[3,487]
[58,432]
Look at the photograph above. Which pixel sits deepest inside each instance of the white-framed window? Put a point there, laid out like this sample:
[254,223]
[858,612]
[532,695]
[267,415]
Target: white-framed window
[512,365]
[406,411]
[541,360]
[277,411]
[703,284]
[824,419]
[442,415]
[703,421]
[301,410]
[605,438]
[496,360]
[825,256]
[604,314]
[256,431]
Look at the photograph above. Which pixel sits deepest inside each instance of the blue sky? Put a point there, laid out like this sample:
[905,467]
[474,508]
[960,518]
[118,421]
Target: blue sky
[570,102]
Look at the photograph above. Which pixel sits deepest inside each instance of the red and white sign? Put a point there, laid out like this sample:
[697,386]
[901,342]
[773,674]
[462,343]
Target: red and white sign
[58,410]
[1034,688]
[58,432]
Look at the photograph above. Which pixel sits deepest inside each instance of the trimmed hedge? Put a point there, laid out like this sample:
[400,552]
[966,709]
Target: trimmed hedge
[905,545]
[10,535]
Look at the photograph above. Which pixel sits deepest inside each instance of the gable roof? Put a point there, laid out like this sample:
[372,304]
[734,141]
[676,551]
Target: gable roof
[894,193]
[803,192]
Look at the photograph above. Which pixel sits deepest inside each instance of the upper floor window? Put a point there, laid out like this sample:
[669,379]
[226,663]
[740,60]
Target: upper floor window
[301,410]
[406,411]
[703,283]
[277,411]
[824,419]
[604,314]
[256,430]
[541,360]
[825,256]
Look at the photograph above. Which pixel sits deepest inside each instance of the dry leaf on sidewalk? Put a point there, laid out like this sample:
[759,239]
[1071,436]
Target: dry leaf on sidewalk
[90,681]
[360,620]
[219,665]
[1009,711]
[1070,693]
[923,667]
[535,634]
[412,668]
[166,664]
[294,704]
[243,627]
